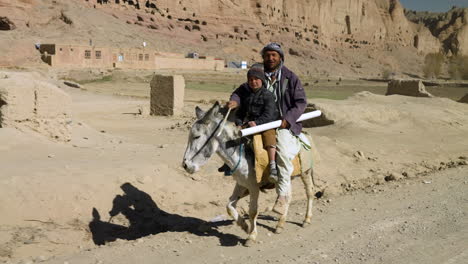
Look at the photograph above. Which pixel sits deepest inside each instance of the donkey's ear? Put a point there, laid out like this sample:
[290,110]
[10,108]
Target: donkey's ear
[216,107]
[200,113]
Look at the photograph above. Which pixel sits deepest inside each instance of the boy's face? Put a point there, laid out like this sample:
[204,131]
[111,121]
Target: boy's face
[254,82]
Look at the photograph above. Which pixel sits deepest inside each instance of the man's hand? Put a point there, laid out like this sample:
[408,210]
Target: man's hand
[232,104]
[284,124]
[252,123]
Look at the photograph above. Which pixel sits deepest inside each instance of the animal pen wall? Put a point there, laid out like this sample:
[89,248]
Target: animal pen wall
[75,56]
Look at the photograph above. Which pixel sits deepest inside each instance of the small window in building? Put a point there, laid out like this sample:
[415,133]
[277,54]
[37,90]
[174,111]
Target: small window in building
[146,57]
[98,54]
[140,57]
[71,49]
[60,49]
[87,54]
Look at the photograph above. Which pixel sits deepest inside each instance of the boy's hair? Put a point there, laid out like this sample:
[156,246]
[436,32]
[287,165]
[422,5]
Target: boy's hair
[257,71]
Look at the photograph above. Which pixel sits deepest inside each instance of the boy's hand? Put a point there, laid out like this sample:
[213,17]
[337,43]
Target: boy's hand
[232,104]
[284,124]
[252,123]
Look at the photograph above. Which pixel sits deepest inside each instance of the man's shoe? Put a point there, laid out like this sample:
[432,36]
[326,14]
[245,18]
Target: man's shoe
[280,204]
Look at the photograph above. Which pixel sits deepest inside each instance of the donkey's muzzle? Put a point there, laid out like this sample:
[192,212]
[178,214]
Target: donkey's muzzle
[187,167]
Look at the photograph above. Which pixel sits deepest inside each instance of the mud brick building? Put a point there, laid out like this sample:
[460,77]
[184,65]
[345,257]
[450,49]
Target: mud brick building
[82,56]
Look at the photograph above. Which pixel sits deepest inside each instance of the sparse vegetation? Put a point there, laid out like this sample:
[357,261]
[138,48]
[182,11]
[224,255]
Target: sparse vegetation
[106,78]
[386,73]
[433,65]
[458,68]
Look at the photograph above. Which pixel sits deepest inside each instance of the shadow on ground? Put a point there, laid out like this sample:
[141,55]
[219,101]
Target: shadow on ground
[146,218]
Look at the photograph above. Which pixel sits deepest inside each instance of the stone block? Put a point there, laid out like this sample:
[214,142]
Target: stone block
[167,95]
[30,102]
[407,87]
[322,120]
[464,99]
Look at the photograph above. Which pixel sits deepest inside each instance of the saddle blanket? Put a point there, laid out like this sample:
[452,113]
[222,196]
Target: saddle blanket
[302,162]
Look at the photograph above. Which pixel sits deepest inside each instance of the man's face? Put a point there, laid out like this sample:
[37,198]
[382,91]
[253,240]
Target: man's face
[271,60]
[254,82]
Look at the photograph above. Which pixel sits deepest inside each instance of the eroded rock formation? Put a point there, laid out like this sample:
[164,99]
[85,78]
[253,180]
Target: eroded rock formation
[450,28]
[30,102]
[352,37]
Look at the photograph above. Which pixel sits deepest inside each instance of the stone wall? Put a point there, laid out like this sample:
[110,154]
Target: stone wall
[464,99]
[189,64]
[167,95]
[407,87]
[30,102]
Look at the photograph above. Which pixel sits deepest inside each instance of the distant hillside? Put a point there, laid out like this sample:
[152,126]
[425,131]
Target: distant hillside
[320,37]
[451,28]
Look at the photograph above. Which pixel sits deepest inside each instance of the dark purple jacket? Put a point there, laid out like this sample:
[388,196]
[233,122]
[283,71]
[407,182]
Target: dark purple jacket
[292,99]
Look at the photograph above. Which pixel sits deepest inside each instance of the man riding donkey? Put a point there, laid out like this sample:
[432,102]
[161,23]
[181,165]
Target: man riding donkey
[290,100]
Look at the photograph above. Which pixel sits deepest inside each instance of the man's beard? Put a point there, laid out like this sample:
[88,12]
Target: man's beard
[273,68]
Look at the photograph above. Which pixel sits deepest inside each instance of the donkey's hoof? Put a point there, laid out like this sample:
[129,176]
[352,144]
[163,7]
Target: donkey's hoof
[249,242]
[305,223]
[279,230]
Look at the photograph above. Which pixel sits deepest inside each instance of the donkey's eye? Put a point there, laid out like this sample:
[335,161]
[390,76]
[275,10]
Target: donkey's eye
[196,137]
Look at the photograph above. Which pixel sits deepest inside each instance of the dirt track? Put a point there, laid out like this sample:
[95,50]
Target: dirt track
[416,221]
[56,198]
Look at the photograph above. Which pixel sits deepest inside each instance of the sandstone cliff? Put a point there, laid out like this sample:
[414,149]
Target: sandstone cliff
[450,28]
[336,37]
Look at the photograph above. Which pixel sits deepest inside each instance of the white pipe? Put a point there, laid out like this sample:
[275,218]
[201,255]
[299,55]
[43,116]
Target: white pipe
[276,124]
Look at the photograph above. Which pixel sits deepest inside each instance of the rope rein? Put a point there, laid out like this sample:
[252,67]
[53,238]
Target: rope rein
[231,171]
[220,126]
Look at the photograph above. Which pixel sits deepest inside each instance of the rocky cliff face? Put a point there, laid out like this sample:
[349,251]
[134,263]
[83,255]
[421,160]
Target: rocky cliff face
[450,28]
[339,37]
[326,23]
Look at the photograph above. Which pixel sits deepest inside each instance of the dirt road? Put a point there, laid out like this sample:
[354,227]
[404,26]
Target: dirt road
[422,220]
[56,199]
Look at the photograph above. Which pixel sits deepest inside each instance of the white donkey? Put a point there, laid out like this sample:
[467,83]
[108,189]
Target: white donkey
[205,139]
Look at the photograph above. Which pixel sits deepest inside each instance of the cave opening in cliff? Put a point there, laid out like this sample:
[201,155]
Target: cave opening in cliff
[348,24]
[416,41]
[6,24]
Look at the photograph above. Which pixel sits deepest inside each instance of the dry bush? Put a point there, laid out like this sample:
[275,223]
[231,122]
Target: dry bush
[386,73]
[433,65]
[458,68]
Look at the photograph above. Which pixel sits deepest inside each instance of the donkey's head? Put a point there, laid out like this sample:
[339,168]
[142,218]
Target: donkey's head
[202,142]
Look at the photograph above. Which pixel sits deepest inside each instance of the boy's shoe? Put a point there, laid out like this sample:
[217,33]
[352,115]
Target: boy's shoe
[273,175]
[225,168]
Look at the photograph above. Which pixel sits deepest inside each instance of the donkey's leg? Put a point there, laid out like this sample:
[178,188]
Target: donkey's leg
[284,216]
[253,214]
[308,185]
[237,194]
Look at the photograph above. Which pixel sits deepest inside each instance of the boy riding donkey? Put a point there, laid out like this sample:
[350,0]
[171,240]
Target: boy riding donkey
[257,107]
[290,101]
